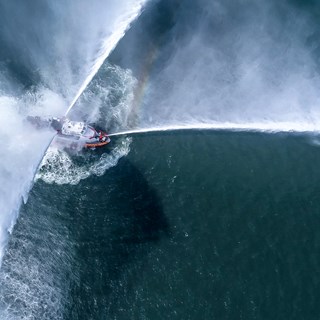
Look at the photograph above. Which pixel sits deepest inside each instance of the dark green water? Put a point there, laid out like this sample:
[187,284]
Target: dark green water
[190,225]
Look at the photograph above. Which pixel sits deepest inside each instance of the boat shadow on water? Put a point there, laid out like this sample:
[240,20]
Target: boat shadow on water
[118,219]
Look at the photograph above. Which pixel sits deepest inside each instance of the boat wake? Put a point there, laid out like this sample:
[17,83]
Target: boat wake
[58,166]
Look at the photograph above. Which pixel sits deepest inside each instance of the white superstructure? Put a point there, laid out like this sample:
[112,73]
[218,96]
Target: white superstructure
[73,128]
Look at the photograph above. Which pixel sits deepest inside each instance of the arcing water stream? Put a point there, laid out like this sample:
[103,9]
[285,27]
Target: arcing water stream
[119,28]
[253,127]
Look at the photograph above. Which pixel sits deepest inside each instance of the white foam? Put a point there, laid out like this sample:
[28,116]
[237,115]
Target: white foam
[58,167]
